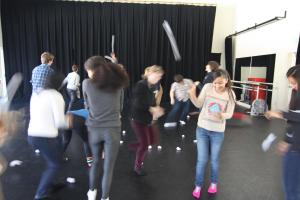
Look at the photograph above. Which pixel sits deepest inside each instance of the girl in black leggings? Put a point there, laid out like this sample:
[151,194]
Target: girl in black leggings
[80,129]
[102,94]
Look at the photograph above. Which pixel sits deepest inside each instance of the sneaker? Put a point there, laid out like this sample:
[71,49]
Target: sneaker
[92,194]
[182,123]
[170,124]
[89,161]
[212,188]
[105,198]
[197,192]
[140,171]
[57,187]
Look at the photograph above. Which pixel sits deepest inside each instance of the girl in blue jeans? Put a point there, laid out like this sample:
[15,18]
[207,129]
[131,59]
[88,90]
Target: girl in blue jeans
[46,118]
[217,101]
[289,147]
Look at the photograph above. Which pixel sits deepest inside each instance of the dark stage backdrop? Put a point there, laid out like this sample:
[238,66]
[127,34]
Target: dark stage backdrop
[298,53]
[74,31]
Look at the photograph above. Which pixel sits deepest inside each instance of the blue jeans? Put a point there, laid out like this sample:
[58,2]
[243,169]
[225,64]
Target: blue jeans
[72,95]
[206,139]
[291,175]
[179,106]
[51,150]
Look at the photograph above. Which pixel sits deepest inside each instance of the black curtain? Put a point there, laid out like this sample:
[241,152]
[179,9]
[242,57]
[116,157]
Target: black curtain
[257,61]
[74,31]
[215,57]
[298,53]
[228,55]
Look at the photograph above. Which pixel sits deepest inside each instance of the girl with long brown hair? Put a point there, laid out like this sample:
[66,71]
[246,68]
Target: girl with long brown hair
[102,94]
[217,101]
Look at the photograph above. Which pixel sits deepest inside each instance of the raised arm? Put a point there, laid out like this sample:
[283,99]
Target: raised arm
[197,101]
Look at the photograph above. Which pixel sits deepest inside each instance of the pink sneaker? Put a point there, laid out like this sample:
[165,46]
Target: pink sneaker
[197,192]
[212,188]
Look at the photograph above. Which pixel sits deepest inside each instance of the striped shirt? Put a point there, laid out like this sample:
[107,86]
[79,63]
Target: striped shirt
[181,89]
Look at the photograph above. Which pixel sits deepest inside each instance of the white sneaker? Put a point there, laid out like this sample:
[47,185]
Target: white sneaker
[268,142]
[92,194]
[170,124]
[105,199]
[182,123]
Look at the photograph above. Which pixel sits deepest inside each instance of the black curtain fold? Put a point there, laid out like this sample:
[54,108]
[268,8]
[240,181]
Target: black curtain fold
[228,55]
[74,31]
[298,53]
[215,57]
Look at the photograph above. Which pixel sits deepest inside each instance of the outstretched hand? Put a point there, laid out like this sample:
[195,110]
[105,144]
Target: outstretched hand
[219,115]
[273,114]
[70,120]
[172,102]
[283,147]
[192,90]
[157,112]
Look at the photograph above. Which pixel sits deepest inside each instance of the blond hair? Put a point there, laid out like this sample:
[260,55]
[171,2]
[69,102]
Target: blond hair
[47,57]
[152,69]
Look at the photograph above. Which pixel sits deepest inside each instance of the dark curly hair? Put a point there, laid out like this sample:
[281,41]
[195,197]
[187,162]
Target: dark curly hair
[107,76]
[54,81]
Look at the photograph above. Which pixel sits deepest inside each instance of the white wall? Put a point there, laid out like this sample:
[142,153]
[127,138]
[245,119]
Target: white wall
[257,72]
[224,26]
[280,38]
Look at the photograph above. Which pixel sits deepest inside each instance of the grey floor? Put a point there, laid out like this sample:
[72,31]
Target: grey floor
[246,172]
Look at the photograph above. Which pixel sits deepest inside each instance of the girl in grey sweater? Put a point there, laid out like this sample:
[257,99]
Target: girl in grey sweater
[102,93]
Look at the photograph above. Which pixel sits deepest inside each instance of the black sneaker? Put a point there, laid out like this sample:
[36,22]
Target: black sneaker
[56,187]
[140,172]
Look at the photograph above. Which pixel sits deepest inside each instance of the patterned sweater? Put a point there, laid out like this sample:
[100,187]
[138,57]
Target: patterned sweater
[213,102]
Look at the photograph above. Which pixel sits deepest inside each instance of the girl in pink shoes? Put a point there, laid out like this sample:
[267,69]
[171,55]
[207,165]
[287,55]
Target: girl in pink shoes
[217,101]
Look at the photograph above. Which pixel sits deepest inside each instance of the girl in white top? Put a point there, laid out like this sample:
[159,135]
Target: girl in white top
[46,117]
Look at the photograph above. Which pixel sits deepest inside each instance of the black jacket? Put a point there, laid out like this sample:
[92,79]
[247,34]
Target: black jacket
[207,79]
[293,125]
[142,99]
